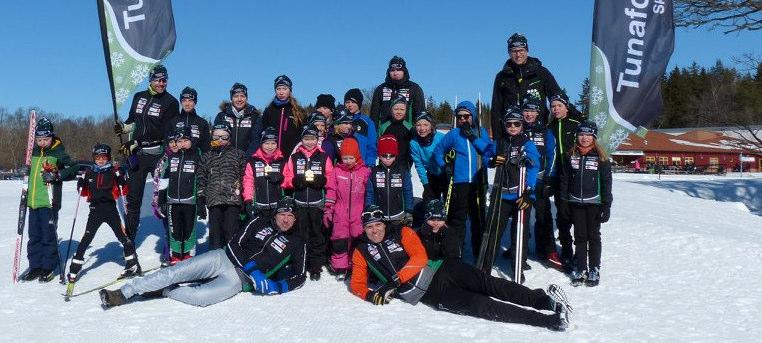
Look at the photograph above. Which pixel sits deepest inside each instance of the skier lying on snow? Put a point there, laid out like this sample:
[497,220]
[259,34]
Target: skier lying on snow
[267,255]
[398,261]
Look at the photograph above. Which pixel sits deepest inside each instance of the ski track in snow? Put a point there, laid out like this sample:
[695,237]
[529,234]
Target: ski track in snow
[679,264]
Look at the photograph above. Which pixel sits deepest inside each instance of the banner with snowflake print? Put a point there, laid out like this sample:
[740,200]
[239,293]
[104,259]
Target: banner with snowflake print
[632,43]
[136,36]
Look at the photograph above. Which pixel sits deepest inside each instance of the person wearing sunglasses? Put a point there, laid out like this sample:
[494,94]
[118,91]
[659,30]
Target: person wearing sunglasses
[147,127]
[188,117]
[219,186]
[520,77]
[267,256]
[389,185]
[585,189]
[514,150]
[263,177]
[470,151]
[344,201]
[391,262]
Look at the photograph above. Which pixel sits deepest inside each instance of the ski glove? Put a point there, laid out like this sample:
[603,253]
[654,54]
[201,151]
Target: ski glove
[251,210]
[128,147]
[327,219]
[319,181]
[499,160]
[524,201]
[547,188]
[81,183]
[201,208]
[120,128]
[50,176]
[564,210]
[468,132]
[262,284]
[407,219]
[299,181]
[275,177]
[605,213]
[382,295]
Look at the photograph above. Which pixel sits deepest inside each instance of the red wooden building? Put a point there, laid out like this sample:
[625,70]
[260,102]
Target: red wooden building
[706,150]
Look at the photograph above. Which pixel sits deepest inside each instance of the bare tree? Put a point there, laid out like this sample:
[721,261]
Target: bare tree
[729,15]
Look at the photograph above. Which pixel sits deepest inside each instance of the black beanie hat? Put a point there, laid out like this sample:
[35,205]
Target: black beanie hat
[239,88]
[221,125]
[531,104]
[560,97]
[282,80]
[269,134]
[326,100]
[396,63]
[355,95]
[423,115]
[158,72]
[310,130]
[512,113]
[518,40]
[189,93]
[44,128]
[589,128]
[316,117]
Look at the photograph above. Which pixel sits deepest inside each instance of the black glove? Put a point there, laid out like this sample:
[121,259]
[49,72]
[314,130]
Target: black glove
[383,294]
[299,181]
[564,210]
[524,201]
[128,147]
[50,176]
[274,177]
[201,208]
[251,210]
[407,219]
[468,132]
[164,208]
[319,181]
[118,128]
[499,160]
[605,213]
[81,183]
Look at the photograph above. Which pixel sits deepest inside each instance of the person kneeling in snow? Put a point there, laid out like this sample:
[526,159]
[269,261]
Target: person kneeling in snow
[398,261]
[267,255]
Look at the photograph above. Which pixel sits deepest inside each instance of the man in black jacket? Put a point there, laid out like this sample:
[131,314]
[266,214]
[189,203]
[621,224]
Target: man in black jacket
[522,76]
[266,255]
[150,112]
[199,127]
[397,83]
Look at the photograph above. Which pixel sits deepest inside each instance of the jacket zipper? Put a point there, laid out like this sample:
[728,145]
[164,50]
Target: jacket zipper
[351,183]
[180,173]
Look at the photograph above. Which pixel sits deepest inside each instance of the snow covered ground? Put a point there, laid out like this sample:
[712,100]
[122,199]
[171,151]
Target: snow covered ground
[681,262]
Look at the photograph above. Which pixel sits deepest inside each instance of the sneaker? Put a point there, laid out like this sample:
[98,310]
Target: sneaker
[559,304]
[31,274]
[594,277]
[47,275]
[578,277]
[112,298]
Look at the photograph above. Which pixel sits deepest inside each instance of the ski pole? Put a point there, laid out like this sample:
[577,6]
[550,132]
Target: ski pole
[71,234]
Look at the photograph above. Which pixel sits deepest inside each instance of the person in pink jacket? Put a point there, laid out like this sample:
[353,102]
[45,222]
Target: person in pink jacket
[344,203]
[263,176]
[309,172]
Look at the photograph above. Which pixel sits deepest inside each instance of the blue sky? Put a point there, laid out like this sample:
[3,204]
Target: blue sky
[51,54]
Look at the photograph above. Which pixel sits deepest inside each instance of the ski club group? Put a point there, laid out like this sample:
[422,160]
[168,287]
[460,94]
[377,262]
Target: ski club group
[290,195]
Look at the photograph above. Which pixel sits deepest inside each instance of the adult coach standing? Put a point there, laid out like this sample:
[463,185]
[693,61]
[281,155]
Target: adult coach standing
[522,76]
[149,113]
[397,83]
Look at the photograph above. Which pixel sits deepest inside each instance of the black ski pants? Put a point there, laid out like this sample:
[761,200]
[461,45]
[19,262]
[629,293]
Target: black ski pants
[587,235]
[463,204]
[563,224]
[510,211]
[137,184]
[544,239]
[310,224]
[224,222]
[104,212]
[463,289]
[182,223]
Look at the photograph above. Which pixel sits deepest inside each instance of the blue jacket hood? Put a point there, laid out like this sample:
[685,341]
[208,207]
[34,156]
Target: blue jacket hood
[471,108]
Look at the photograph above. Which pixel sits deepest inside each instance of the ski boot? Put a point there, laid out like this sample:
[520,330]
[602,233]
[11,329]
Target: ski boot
[578,277]
[593,277]
[31,274]
[112,298]
[131,270]
[315,274]
[47,275]
[559,303]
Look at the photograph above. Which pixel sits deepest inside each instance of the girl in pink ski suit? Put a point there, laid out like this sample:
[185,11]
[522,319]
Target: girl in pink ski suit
[344,204]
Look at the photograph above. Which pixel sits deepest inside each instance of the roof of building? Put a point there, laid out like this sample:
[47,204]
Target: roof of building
[690,141]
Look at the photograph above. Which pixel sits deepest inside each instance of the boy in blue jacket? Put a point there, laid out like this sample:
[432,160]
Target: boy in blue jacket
[514,149]
[363,127]
[472,151]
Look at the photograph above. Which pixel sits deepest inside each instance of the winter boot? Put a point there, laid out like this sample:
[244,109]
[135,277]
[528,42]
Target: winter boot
[31,274]
[74,269]
[315,274]
[553,261]
[112,298]
[47,275]
[578,277]
[593,277]
[132,268]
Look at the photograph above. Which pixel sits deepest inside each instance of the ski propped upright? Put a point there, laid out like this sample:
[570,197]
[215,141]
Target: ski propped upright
[489,242]
[23,199]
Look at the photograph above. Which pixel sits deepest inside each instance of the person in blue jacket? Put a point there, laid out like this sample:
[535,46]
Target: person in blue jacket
[363,127]
[470,151]
[515,149]
[425,139]
[538,132]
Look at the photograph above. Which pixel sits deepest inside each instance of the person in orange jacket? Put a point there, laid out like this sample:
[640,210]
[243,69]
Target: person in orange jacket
[398,262]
